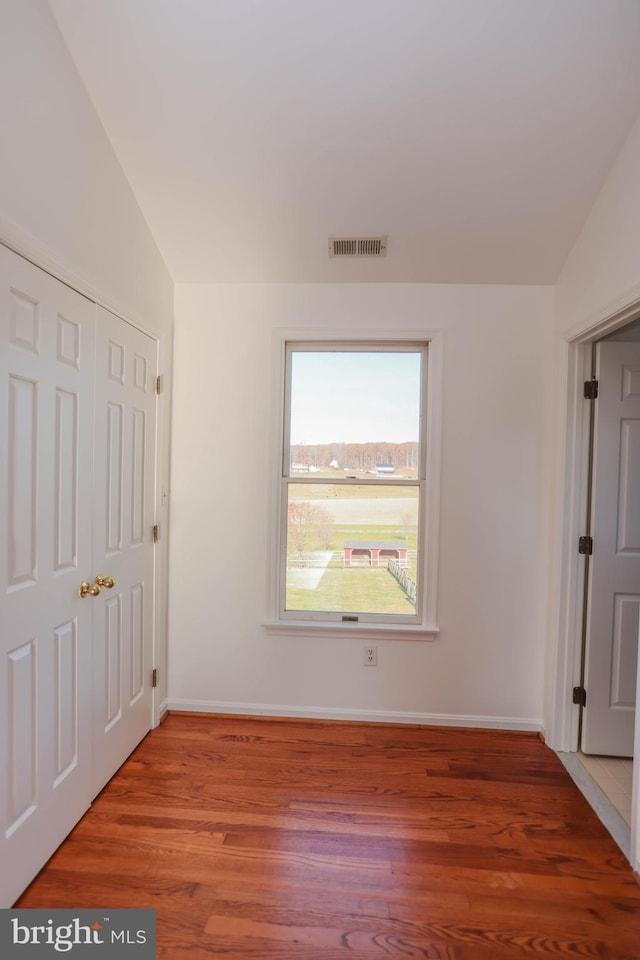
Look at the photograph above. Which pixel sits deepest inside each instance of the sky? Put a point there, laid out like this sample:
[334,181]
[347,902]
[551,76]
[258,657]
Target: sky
[354,397]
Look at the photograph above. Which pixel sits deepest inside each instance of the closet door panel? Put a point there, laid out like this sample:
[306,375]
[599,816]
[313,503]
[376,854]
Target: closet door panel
[124,548]
[47,348]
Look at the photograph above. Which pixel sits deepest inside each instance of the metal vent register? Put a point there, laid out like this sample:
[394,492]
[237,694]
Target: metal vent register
[357,246]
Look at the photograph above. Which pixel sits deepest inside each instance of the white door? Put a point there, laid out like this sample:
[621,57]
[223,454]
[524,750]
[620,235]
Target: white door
[77,473]
[46,442]
[125,417]
[613,615]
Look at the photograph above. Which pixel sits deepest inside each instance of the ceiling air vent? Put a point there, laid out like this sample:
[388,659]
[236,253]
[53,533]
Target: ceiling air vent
[357,246]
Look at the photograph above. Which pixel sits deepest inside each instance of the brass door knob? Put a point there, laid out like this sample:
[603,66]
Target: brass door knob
[103,581]
[89,590]
[93,589]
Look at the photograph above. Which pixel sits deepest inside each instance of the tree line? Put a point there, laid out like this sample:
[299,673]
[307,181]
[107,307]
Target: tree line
[356,456]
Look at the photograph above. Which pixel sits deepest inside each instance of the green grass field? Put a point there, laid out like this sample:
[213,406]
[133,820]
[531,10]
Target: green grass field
[356,589]
[329,491]
[316,577]
[315,582]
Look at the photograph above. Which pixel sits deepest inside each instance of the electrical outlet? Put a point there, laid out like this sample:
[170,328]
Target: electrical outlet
[371,656]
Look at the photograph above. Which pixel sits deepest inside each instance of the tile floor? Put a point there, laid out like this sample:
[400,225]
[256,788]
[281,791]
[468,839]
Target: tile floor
[613,775]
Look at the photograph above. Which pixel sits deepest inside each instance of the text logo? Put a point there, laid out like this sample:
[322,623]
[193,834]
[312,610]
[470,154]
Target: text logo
[81,934]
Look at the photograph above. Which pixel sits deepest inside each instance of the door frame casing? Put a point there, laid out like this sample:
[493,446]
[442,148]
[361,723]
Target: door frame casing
[568,572]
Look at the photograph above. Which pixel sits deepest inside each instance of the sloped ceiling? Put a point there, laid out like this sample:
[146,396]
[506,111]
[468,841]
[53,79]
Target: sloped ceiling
[476,134]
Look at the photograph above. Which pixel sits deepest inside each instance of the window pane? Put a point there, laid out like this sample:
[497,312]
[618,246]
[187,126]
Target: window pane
[352,548]
[355,411]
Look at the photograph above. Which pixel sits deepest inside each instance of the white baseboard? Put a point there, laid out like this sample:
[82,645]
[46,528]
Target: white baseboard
[368,716]
[162,710]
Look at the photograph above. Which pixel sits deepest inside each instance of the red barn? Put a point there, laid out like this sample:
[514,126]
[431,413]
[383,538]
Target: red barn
[374,553]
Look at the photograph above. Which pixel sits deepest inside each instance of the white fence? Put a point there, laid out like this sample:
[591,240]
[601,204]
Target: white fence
[403,578]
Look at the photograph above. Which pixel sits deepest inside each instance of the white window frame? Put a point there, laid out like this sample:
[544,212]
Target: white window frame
[379,626]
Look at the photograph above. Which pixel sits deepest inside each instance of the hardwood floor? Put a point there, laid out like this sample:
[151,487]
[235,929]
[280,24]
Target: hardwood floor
[259,839]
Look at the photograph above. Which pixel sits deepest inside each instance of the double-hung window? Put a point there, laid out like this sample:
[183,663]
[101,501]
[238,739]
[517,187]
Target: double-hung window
[354,521]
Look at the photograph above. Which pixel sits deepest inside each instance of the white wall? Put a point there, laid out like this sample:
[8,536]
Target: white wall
[487,663]
[602,272]
[65,202]
[62,190]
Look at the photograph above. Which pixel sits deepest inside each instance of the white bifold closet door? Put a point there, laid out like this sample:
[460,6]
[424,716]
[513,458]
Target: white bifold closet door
[123,518]
[77,471]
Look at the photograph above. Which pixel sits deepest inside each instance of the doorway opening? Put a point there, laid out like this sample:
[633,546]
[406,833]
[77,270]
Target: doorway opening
[611,607]
[601,765]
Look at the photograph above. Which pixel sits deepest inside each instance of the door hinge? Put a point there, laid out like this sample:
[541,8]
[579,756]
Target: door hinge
[158,385]
[154,677]
[580,696]
[590,389]
[585,546]
[156,533]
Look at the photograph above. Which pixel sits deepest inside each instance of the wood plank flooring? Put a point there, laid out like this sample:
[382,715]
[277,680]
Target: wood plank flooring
[260,839]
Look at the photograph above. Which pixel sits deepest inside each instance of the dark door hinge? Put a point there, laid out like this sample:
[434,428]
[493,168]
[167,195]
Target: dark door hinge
[580,696]
[585,546]
[158,385]
[154,677]
[156,533]
[590,389]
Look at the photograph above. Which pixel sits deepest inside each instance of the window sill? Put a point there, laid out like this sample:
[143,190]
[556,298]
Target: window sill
[364,631]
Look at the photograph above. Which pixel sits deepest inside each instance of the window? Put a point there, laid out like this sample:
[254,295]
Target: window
[354,520]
